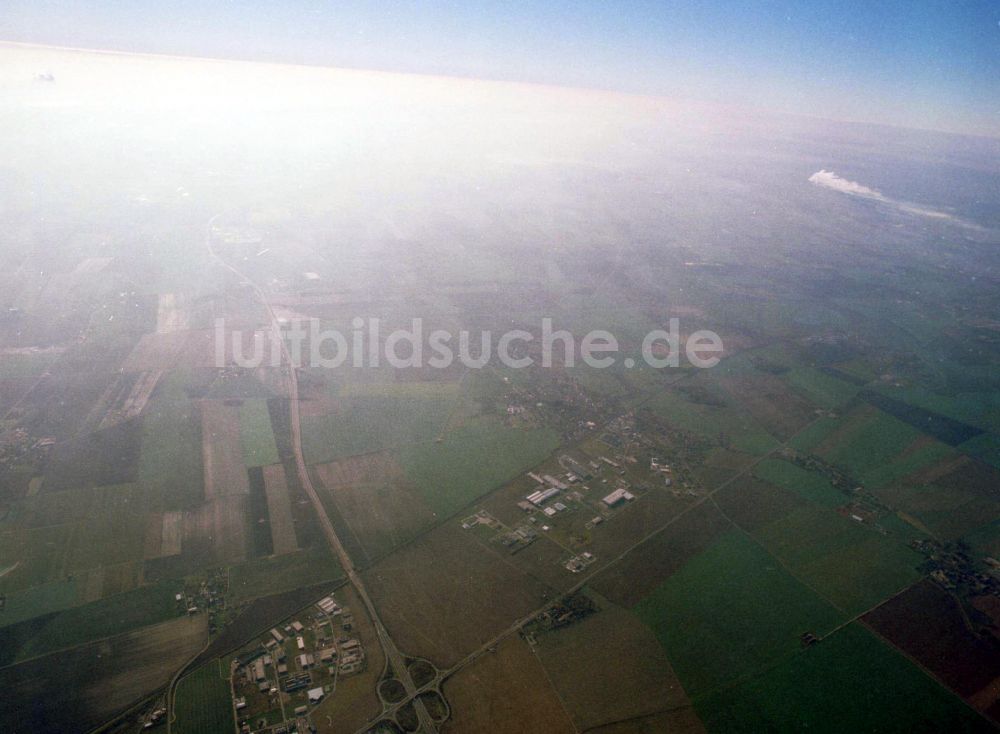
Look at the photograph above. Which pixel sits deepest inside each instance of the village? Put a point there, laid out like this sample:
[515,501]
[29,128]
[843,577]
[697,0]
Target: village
[278,680]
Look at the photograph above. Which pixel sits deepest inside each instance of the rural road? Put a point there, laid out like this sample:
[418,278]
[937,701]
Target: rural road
[392,654]
[490,645]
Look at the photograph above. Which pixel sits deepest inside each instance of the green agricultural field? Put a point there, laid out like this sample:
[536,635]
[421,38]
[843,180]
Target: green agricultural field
[868,440]
[472,460]
[851,682]
[203,702]
[822,389]
[37,600]
[170,464]
[981,409]
[813,434]
[89,526]
[256,434]
[810,485]
[932,452]
[33,556]
[851,565]
[113,615]
[985,447]
[726,420]
[730,611]
[266,576]
[860,369]
[369,423]
[114,529]
[948,512]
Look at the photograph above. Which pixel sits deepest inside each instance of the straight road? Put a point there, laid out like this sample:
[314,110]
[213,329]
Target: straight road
[290,375]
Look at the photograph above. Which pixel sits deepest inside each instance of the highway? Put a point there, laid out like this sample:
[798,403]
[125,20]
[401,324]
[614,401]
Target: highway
[393,657]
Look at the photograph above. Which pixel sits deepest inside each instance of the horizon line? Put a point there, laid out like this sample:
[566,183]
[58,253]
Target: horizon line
[526,83]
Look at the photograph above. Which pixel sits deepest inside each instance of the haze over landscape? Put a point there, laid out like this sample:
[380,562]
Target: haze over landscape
[802,533]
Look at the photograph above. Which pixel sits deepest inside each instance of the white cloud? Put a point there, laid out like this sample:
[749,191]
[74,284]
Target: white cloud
[830,180]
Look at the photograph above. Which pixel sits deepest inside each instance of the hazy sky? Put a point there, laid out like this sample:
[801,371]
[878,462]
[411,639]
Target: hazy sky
[920,63]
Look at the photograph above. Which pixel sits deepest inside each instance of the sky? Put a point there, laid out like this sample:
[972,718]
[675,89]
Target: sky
[931,64]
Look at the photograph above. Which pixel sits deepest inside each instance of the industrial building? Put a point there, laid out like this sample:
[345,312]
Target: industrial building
[617,497]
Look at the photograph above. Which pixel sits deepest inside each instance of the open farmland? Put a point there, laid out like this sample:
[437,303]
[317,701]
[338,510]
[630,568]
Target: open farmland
[381,507]
[865,441]
[985,447]
[819,387]
[104,456]
[279,510]
[609,668]
[98,679]
[444,595]
[943,428]
[715,616]
[710,413]
[770,400]
[216,532]
[35,556]
[222,449]
[256,434]
[217,528]
[811,486]
[472,460]
[852,566]
[849,682]
[506,692]
[265,576]
[364,423]
[170,463]
[929,625]
[202,701]
[954,497]
[88,527]
[647,566]
[107,617]
[163,535]
[40,599]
